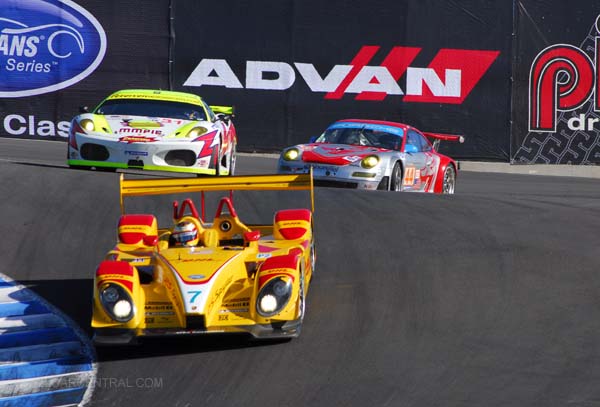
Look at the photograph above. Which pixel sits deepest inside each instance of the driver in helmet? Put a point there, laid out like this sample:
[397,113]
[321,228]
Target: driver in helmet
[186,233]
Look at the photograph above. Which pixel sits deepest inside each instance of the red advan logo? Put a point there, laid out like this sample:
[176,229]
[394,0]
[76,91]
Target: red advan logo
[563,78]
[449,78]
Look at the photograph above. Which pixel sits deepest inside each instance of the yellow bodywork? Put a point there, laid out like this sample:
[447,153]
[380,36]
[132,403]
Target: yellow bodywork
[212,286]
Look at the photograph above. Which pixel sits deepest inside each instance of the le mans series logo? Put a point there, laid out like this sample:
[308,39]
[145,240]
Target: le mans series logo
[564,78]
[46,45]
[449,78]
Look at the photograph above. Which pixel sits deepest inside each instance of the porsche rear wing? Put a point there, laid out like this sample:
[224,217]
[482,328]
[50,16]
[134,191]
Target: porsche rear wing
[165,186]
[439,137]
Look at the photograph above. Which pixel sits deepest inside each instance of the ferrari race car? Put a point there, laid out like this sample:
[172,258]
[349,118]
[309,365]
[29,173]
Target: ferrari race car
[198,277]
[370,154]
[154,130]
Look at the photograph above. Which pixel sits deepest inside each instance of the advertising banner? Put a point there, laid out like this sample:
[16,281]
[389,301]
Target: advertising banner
[57,55]
[293,67]
[556,93]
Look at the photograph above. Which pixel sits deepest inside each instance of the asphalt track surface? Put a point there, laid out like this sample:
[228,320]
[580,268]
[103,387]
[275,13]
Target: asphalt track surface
[486,298]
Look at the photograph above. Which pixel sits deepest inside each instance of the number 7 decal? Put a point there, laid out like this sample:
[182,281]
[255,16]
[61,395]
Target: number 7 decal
[194,295]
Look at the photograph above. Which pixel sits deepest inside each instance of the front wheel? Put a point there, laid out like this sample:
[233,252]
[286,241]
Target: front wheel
[396,178]
[449,180]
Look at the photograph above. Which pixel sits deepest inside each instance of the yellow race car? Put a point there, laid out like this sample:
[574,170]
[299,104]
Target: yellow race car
[200,277]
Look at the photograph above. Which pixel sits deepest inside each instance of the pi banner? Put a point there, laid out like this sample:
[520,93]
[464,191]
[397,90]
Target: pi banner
[557,101]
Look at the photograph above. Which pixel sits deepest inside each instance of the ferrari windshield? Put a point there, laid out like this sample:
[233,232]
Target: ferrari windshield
[387,137]
[151,108]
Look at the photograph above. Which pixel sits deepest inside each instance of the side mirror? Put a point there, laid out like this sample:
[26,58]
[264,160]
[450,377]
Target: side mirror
[84,109]
[410,148]
[313,139]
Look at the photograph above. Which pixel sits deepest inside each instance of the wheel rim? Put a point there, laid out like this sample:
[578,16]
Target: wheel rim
[449,181]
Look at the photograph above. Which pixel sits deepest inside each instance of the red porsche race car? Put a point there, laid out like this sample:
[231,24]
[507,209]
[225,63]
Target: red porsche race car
[372,154]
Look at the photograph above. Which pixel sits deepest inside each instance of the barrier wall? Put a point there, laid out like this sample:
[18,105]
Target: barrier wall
[292,67]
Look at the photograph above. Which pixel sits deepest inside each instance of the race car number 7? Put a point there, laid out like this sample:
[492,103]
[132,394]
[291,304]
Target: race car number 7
[194,295]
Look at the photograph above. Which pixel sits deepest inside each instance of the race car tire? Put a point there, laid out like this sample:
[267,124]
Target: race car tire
[396,178]
[449,182]
[313,258]
[231,162]
[301,300]
[216,158]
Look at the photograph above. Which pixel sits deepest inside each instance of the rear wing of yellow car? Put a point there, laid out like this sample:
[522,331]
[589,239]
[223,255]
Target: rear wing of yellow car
[165,186]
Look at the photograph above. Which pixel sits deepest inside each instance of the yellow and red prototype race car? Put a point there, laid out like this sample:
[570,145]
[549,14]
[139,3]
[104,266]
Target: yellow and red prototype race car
[196,277]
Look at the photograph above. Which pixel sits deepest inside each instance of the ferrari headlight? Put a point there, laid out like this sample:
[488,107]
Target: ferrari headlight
[196,131]
[291,155]
[116,302]
[369,161]
[274,296]
[87,124]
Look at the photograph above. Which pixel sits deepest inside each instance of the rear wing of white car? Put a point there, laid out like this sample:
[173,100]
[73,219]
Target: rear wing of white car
[437,138]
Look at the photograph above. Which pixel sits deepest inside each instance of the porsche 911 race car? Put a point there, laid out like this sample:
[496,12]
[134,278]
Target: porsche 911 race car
[371,154]
[199,277]
[154,130]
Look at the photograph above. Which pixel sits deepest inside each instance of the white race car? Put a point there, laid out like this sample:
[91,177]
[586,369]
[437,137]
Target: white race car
[154,130]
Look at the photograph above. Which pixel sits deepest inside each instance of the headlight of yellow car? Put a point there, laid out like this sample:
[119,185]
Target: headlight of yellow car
[369,162]
[196,131]
[116,302]
[87,125]
[291,155]
[274,296]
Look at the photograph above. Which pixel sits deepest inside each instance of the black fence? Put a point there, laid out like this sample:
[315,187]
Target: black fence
[292,67]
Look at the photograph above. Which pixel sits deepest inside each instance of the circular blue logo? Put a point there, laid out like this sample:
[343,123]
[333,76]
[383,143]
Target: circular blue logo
[46,45]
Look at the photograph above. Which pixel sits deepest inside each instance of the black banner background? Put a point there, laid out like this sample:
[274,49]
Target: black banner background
[158,44]
[331,33]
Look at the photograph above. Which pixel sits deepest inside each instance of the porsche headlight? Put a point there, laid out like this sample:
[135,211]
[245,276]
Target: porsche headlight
[196,131]
[369,161]
[122,309]
[274,296]
[291,155]
[87,124]
[116,302]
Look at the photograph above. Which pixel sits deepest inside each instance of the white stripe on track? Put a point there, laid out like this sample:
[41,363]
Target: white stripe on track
[29,322]
[22,387]
[15,293]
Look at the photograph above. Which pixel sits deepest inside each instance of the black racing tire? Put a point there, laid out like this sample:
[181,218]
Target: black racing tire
[216,159]
[449,181]
[302,299]
[232,161]
[396,178]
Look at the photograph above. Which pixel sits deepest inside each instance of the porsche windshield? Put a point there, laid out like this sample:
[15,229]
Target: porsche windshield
[363,136]
[151,108]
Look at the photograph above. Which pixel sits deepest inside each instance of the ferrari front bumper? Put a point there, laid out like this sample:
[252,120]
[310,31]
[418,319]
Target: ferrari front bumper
[152,154]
